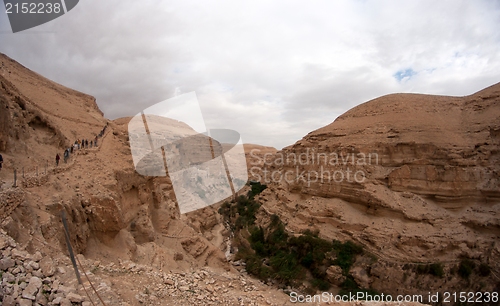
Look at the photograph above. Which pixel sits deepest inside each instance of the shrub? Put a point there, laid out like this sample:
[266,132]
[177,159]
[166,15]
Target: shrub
[484,269]
[225,210]
[275,221]
[286,266]
[421,269]
[320,284]
[256,189]
[289,256]
[349,284]
[436,269]
[465,268]
[257,234]
[247,209]
[307,260]
[346,253]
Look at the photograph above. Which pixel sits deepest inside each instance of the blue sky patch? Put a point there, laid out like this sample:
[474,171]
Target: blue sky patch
[404,74]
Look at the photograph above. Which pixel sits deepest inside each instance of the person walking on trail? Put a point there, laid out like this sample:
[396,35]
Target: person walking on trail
[57,159]
[1,161]
[66,155]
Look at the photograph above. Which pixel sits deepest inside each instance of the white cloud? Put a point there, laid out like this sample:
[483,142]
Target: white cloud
[273,71]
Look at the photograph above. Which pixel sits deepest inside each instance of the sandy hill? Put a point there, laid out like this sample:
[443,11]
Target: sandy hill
[441,120]
[40,117]
[413,178]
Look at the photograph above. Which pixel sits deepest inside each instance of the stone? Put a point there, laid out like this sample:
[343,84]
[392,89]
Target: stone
[41,298]
[65,302]
[38,274]
[9,301]
[28,268]
[47,266]
[361,277]
[3,243]
[27,296]
[6,263]
[81,258]
[74,298]
[64,289]
[169,282]
[178,256]
[17,254]
[55,285]
[183,288]
[57,300]
[30,291]
[25,302]
[37,256]
[334,275]
[35,281]
[12,229]
[8,277]
[34,265]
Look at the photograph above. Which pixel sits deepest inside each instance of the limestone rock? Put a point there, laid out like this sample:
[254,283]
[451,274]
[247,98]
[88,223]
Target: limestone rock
[195,246]
[25,302]
[6,263]
[30,292]
[361,277]
[334,275]
[47,266]
[74,298]
[9,301]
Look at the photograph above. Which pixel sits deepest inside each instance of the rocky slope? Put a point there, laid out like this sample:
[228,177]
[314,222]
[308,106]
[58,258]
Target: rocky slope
[413,178]
[137,249]
[38,115]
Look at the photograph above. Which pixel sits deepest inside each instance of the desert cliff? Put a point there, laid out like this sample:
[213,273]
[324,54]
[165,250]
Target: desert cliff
[413,178]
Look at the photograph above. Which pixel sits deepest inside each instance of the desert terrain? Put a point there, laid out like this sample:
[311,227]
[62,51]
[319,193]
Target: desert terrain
[423,191]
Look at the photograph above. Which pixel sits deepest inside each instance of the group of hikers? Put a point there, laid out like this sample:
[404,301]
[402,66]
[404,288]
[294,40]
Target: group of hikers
[79,144]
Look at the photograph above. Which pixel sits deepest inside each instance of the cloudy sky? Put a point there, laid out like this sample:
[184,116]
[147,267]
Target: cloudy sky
[272,70]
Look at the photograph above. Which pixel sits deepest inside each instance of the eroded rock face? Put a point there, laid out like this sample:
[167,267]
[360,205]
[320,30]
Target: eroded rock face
[106,215]
[410,177]
[194,246]
[4,123]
